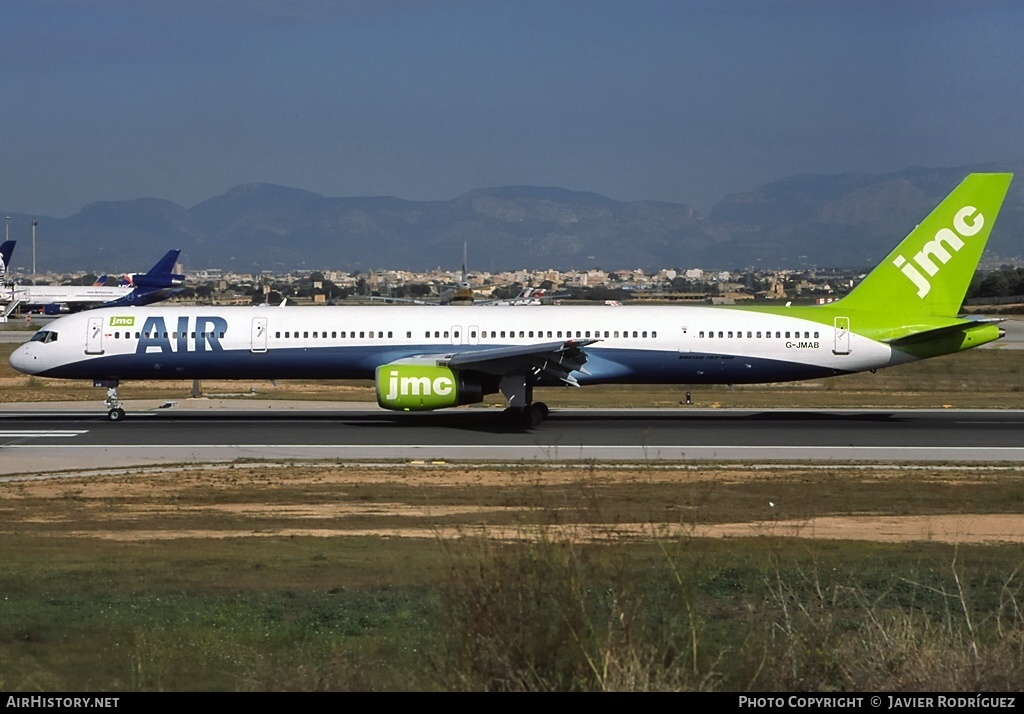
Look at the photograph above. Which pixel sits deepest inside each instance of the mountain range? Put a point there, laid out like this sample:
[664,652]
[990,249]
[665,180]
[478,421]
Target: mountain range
[842,220]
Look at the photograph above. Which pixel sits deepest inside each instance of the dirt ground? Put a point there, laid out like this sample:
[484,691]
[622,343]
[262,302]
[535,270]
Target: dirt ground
[415,501]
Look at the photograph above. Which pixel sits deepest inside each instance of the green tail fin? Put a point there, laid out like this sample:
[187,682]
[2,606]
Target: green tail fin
[929,272]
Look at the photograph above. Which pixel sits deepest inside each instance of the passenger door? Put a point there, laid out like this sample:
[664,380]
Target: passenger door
[842,336]
[94,336]
[259,334]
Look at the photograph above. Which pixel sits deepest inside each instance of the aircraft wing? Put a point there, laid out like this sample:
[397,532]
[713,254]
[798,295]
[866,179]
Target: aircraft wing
[552,359]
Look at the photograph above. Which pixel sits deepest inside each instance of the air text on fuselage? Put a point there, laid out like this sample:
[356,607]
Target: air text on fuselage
[203,334]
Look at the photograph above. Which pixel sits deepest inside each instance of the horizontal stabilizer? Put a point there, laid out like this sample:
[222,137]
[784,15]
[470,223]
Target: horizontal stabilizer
[928,335]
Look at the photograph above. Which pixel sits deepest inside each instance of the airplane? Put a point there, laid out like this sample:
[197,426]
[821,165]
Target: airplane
[905,309]
[460,294]
[6,249]
[463,295]
[155,285]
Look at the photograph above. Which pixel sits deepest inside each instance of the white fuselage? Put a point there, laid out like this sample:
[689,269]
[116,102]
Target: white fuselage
[65,294]
[636,344]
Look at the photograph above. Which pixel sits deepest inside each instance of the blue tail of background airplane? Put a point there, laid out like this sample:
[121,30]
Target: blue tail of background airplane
[157,284]
[159,276]
[6,249]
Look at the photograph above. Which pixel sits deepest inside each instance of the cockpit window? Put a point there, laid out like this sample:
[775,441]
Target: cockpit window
[44,336]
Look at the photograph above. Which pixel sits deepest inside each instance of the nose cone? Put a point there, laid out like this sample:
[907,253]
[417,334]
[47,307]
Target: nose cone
[25,360]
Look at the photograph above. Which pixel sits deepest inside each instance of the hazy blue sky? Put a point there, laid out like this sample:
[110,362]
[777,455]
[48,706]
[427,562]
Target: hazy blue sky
[676,101]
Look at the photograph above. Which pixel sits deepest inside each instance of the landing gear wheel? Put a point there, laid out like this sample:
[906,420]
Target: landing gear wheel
[527,417]
[116,414]
[535,414]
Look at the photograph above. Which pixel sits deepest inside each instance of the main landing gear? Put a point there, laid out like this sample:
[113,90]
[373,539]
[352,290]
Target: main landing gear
[115,412]
[522,411]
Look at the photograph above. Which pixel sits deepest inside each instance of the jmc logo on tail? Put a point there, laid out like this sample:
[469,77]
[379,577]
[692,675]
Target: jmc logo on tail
[934,250]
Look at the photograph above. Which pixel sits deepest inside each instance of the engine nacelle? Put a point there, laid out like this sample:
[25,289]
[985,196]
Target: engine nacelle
[165,280]
[413,387]
[56,308]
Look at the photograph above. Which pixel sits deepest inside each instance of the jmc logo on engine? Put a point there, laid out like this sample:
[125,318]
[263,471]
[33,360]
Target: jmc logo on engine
[415,387]
[418,386]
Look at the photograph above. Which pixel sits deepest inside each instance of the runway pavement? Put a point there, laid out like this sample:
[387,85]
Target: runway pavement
[204,431]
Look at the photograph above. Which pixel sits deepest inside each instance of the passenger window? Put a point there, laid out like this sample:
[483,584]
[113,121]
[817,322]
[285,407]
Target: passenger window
[644,334]
[305,335]
[655,334]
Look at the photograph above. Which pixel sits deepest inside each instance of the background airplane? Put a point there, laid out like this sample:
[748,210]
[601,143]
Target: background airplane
[6,249]
[158,283]
[906,309]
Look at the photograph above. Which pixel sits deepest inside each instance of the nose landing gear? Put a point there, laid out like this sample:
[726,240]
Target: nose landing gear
[115,412]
